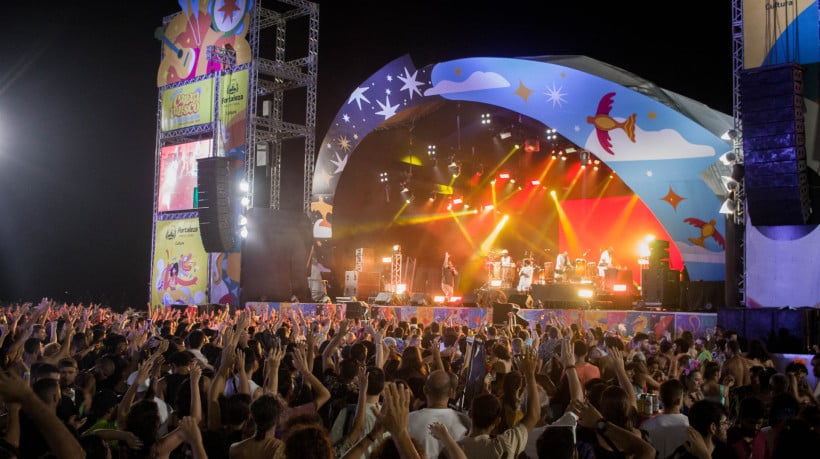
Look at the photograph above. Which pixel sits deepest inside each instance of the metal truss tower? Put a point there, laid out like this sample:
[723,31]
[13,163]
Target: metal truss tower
[395,271]
[271,80]
[737,139]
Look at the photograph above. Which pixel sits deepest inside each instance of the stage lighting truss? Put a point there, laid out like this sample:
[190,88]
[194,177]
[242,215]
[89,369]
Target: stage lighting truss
[395,269]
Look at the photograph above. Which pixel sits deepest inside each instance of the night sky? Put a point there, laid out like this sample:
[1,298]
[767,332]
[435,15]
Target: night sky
[78,105]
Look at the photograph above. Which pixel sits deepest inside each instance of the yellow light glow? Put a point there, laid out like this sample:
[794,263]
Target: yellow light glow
[585,293]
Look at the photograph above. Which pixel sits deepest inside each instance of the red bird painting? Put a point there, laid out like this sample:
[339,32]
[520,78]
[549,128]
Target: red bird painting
[707,230]
[604,123]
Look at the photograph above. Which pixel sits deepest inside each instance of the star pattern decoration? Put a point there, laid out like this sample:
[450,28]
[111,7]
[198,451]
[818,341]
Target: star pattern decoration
[344,143]
[389,78]
[346,118]
[411,85]
[652,115]
[673,198]
[523,91]
[387,110]
[228,9]
[649,173]
[340,163]
[358,96]
[555,96]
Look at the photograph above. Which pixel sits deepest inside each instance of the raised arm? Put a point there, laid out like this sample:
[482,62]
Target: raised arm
[616,359]
[576,391]
[61,442]
[527,366]
[320,392]
[631,444]
[333,345]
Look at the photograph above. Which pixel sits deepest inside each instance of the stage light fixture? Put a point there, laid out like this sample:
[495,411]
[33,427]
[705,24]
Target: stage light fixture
[553,194]
[585,293]
[729,183]
[431,151]
[486,119]
[731,134]
[243,220]
[401,289]
[383,177]
[387,260]
[495,283]
[243,232]
[505,135]
[457,201]
[728,158]
[595,168]
[563,158]
[244,186]
[512,181]
[619,288]
[554,157]
[432,196]
[569,150]
[728,207]
[504,175]
[439,299]
[396,248]
[246,201]
[584,156]
[454,168]
[535,182]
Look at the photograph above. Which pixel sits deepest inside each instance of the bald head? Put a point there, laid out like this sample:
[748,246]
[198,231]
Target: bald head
[437,388]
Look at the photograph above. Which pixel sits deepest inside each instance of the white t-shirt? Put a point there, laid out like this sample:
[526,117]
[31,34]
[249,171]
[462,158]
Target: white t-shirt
[666,432]
[232,386]
[507,445]
[568,419]
[419,421]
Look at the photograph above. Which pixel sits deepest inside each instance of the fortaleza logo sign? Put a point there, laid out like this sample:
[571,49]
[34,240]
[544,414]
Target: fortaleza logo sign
[171,232]
[233,89]
[187,105]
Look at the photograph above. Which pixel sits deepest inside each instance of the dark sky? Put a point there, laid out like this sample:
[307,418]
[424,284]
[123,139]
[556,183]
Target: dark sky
[78,107]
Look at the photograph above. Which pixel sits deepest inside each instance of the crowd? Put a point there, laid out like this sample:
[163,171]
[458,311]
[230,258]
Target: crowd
[85,381]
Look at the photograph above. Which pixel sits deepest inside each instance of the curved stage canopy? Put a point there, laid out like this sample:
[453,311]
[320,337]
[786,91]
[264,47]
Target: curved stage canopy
[664,146]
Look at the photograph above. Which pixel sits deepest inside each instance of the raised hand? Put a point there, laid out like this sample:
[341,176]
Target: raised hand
[395,409]
[567,357]
[588,415]
[528,362]
[439,431]
[616,358]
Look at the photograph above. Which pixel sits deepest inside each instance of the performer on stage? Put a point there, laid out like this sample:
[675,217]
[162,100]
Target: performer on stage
[448,276]
[605,261]
[525,277]
[506,259]
[562,266]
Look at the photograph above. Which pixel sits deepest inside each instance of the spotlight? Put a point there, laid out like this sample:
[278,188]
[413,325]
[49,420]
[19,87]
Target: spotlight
[407,195]
[243,220]
[585,293]
[504,175]
[728,207]
[432,196]
[486,119]
[243,232]
[454,168]
[396,248]
[386,260]
[728,158]
[730,183]
[505,135]
[553,194]
[731,134]
[244,186]
[246,201]
[383,178]
[431,152]
[535,182]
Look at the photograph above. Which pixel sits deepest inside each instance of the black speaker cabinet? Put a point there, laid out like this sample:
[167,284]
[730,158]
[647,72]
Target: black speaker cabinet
[215,194]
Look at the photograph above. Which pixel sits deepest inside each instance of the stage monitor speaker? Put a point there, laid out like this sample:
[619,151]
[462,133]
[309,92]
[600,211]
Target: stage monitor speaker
[420,299]
[469,300]
[776,180]
[215,184]
[355,310]
[501,312]
[522,300]
[384,298]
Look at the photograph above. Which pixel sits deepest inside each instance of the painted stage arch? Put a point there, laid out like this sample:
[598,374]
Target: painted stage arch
[657,150]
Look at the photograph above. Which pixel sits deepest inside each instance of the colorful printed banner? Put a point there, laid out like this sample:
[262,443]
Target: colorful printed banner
[187,105]
[233,104]
[180,274]
[780,32]
[225,274]
[624,323]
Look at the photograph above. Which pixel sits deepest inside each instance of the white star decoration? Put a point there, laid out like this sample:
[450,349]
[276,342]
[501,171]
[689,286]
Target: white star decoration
[346,118]
[340,163]
[389,77]
[410,83]
[387,110]
[358,96]
[555,95]
[387,91]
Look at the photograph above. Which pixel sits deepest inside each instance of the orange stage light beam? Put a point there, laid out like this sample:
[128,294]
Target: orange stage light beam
[490,239]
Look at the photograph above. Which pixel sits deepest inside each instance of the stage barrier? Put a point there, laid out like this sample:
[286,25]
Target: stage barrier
[625,323]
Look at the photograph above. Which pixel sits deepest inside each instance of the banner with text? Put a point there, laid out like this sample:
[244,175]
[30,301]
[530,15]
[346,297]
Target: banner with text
[180,271]
[187,105]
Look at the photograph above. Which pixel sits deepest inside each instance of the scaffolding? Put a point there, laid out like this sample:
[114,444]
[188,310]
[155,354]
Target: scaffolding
[272,80]
[395,271]
[739,217]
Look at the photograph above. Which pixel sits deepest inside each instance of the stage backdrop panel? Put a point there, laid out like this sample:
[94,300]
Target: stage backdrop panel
[178,174]
[180,271]
[187,105]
